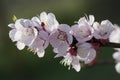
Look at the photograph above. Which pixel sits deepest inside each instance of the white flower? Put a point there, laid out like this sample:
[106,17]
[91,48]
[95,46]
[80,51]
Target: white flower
[83,31]
[29,33]
[70,60]
[103,30]
[47,21]
[23,31]
[40,43]
[86,52]
[116,56]
[61,38]
[115,35]
[117,67]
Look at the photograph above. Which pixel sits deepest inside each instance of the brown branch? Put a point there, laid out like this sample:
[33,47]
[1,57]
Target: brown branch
[113,45]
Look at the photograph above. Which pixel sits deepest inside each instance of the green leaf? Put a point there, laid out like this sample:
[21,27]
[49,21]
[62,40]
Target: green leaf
[14,18]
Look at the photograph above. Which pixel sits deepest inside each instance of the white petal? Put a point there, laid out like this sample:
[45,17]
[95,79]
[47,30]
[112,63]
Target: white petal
[49,20]
[55,50]
[116,56]
[77,67]
[43,35]
[117,67]
[43,16]
[18,35]
[41,52]
[20,45]
[107,23]
[27,23]
[12,25]
[115,35]
[27,40]
[96,26]
[52,17]
[36,19]
[12,34]
[91,19]
[76,64]
[91,56]
[19,24]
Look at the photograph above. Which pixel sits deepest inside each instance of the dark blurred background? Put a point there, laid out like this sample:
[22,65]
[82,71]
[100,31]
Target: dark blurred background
[24,65]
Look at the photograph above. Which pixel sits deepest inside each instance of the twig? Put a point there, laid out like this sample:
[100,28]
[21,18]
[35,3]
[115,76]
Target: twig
[113,45]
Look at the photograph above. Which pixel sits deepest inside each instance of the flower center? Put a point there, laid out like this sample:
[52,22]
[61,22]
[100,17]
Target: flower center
[84,33]
[28,32]
[73,51]
[62,36]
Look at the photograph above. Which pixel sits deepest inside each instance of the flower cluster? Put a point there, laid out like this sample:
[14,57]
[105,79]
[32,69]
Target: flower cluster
[76,44]
[115,37]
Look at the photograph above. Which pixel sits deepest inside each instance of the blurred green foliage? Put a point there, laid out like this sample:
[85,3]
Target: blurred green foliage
[24,65]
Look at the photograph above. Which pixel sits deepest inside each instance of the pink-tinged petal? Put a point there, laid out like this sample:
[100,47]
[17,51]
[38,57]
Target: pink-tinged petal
[63,47]
[38,42]
[96,33]
[12,34]
[20,45]
[107,23]
[91,56]
[83,53]
[12,25]
[103,30]
[53,39]
[73,29]
[82,32]
[83,50]
[55,43]
[27,39]
[43,35]
[76,64]
[41,52]
[58,54]
[65,28]
[96,26]
[81,20]
[69,38]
